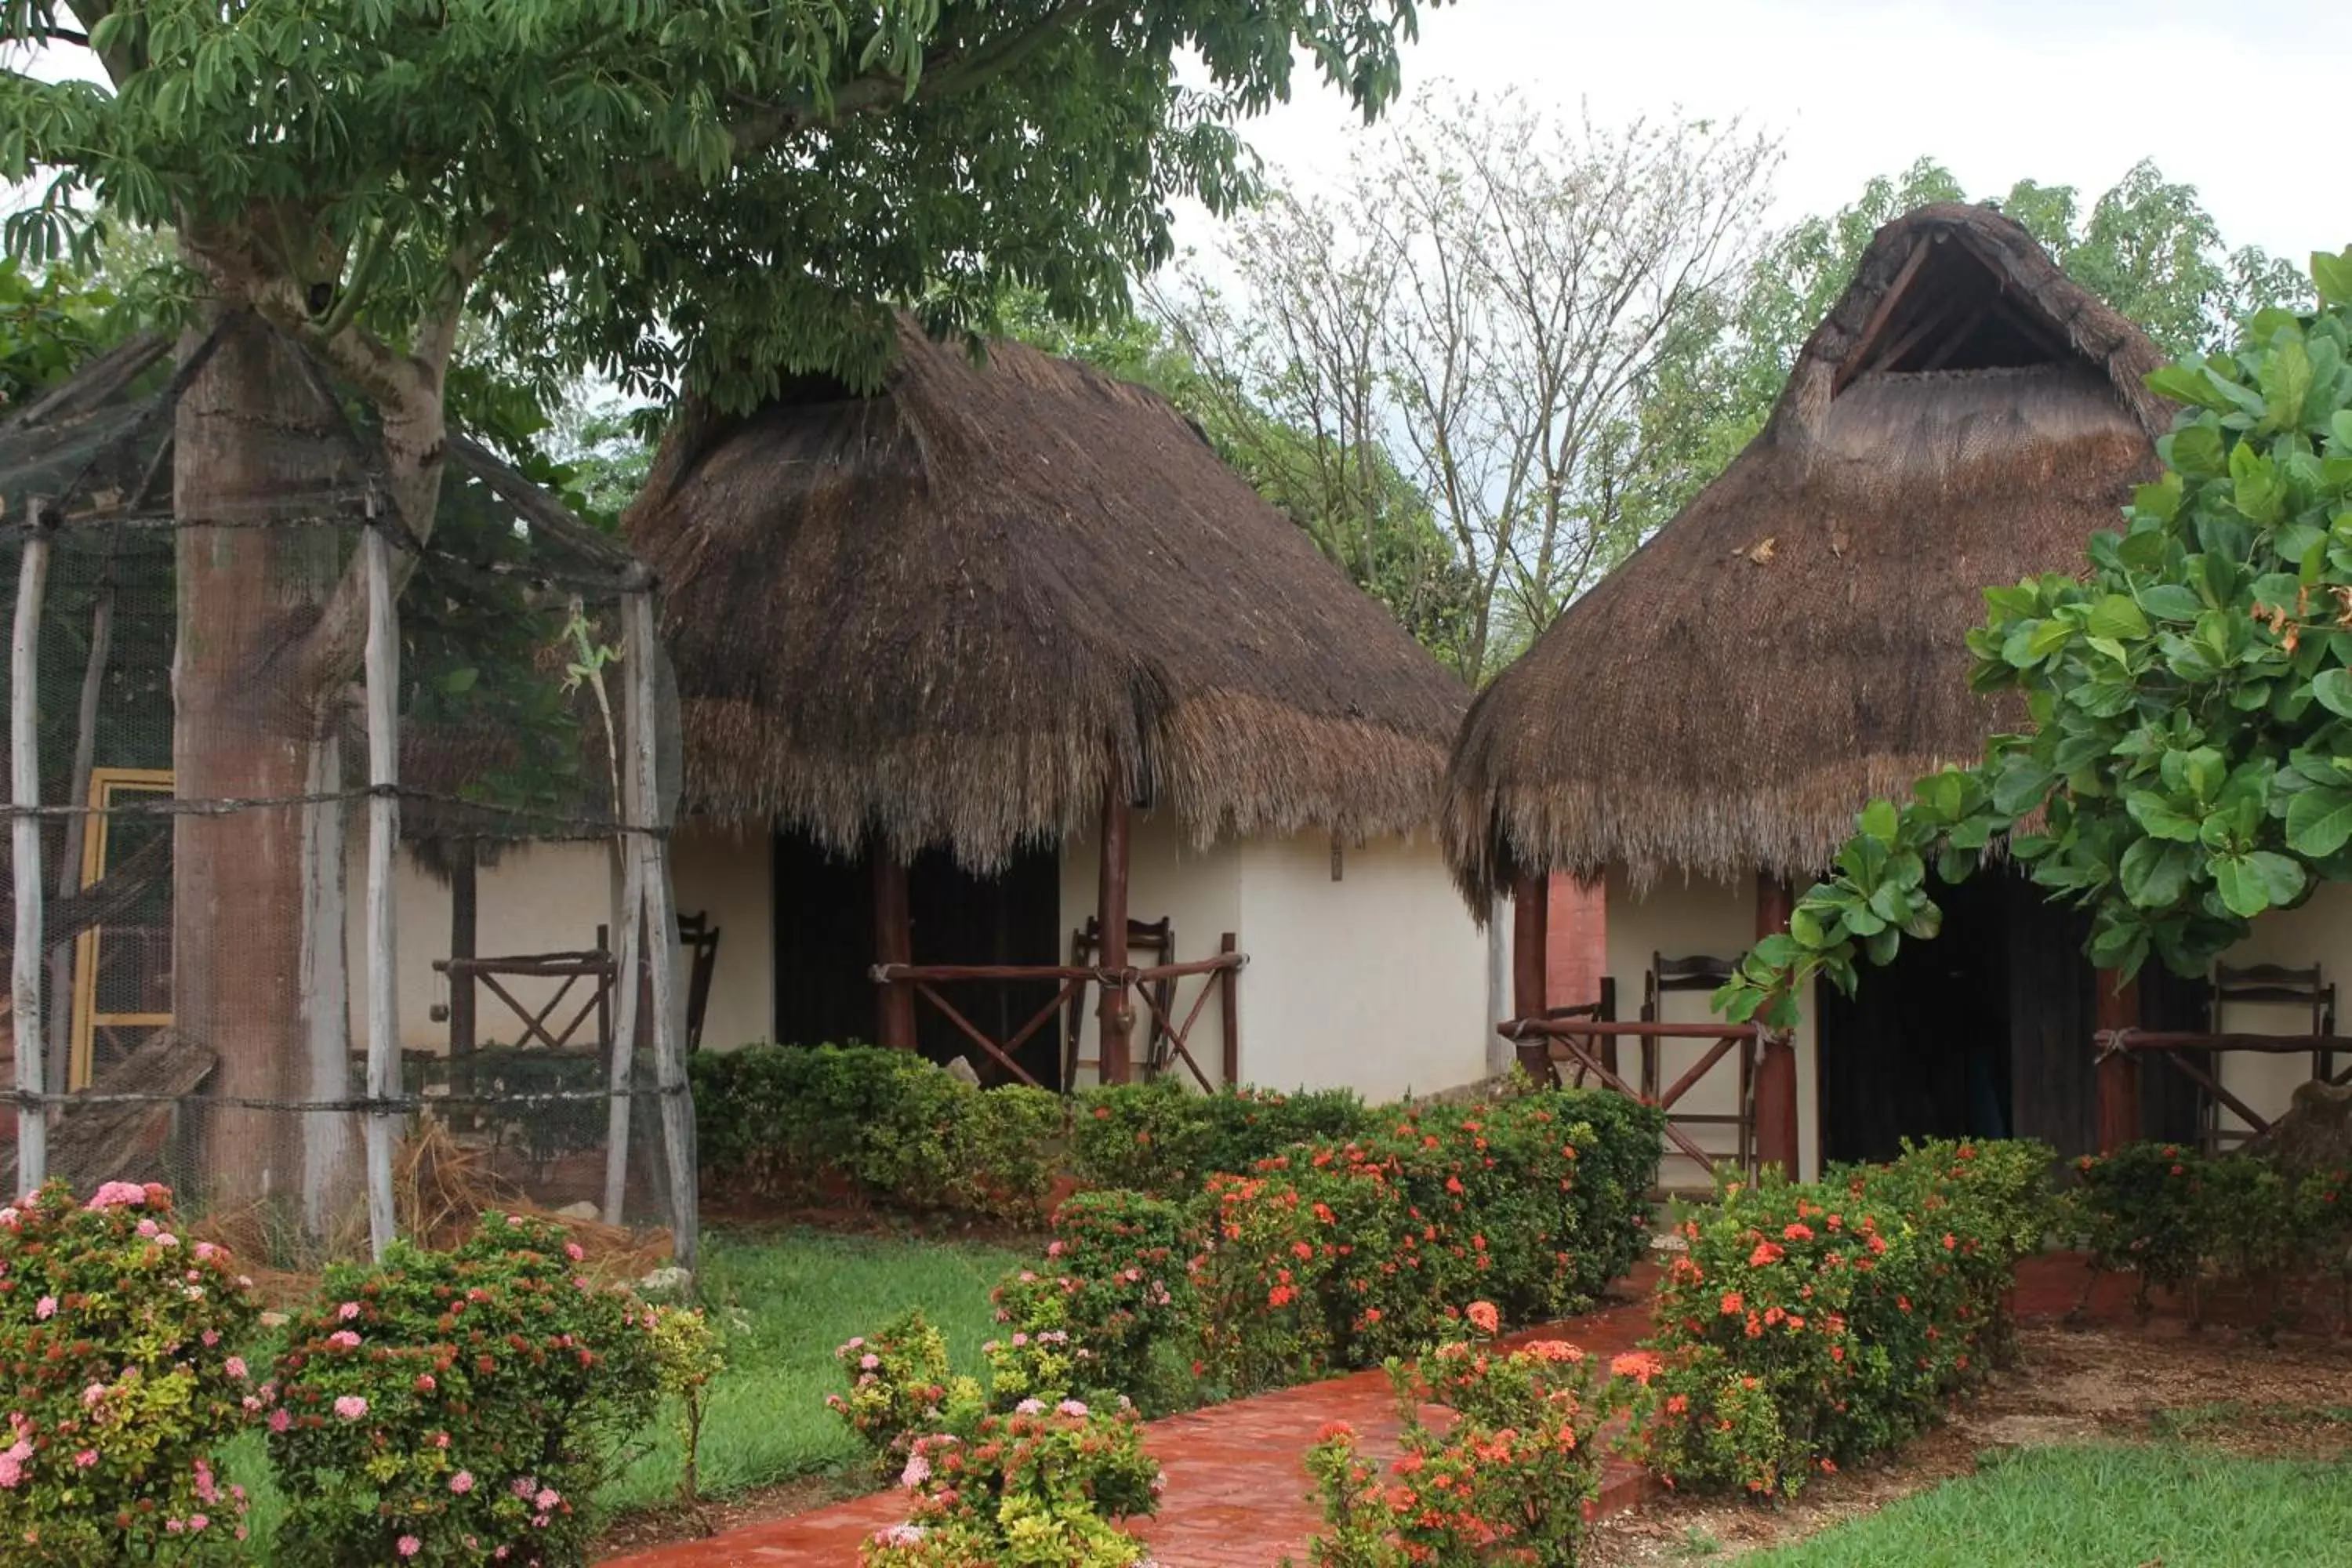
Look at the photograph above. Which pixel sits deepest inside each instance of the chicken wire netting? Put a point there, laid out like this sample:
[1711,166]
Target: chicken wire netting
[218,950]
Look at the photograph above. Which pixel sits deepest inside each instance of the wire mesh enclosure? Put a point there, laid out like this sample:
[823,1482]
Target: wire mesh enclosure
[334,852]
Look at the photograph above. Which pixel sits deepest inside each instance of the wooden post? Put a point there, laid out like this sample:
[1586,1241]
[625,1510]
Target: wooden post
[1530,941]
[2118,1007]
[1776,1072]
[25,793]
[641,652]
[384,839]
[894,943]
[1117,1013]
[61,958]
[464,904]
[1230,1012]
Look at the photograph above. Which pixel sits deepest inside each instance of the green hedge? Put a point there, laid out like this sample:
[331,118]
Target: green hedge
[827,1121]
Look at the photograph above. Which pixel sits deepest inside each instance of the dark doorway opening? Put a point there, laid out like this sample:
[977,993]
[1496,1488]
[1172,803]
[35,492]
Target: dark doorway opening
[1983,1033]
[824,948]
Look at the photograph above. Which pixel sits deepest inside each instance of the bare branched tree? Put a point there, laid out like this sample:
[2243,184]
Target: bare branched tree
[1495,296]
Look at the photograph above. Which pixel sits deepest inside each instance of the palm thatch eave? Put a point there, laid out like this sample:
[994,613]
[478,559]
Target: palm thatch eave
[956,612]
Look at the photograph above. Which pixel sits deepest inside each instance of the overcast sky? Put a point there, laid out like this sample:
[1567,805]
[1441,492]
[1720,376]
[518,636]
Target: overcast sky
[2244,102]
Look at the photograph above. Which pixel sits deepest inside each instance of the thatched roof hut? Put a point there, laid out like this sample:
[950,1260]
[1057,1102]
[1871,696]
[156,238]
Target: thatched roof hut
[1792,645]
[948,611]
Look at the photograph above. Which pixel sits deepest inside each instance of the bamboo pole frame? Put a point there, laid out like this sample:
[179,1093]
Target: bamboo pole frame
[383,674]
[25,793]
[640,653]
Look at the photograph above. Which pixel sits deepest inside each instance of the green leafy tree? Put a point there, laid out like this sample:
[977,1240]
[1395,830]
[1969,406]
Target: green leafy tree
[708,196]
[2190,763]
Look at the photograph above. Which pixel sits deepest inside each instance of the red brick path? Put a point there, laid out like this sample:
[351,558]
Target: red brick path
[1237,1490]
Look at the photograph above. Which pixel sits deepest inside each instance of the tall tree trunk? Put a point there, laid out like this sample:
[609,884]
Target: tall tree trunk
[252,437]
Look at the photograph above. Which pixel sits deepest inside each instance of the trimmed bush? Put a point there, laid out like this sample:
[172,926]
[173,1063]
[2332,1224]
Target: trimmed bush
[120,1340]
[829,1121]
[456,1406]
[1340,1255]
[1162,1138]
[1810,1324]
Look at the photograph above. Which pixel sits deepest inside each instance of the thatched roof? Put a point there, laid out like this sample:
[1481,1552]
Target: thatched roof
[942,611]
[1791,645]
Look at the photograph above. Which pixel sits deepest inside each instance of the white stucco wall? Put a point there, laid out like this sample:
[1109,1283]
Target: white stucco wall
[550,898]
[1377,980]
[729,874]
[2319,933]
[1681,918]
[547,897]
[1168,879]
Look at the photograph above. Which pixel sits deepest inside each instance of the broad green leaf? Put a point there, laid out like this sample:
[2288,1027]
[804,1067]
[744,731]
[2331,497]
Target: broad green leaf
[2196,450]
[2333,275]
[2173,601]
[2155,874]
[2319,821]
[2245,892]
[2282,879]
[1879,820]
[2115,616]
[2191,385]
[2332,689]
[2159,819]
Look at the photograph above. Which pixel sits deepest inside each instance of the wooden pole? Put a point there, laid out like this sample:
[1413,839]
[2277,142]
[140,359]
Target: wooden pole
[1776,1071]
[667,1003]
[1530,940]
[894,943]
[464,905]
[1230,1012]
[628,951]
[24,792]
[384,837]
[2118,1007]
[61,958]
[1117,1013]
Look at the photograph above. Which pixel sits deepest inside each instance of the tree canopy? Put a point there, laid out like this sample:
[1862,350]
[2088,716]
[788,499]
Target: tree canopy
[2188,764]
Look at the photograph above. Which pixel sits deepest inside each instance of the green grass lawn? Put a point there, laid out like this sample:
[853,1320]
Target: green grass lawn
[787,1298]
[2102,1507]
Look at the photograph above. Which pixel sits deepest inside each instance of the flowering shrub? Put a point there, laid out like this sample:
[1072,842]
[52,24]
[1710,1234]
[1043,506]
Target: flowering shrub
[1342,1255]
[1809,1324]
[2174,1217]
[686,1356]
[458,1406]
[826,1120]
[1038,1486]
[1121,1261]
[120,1342]
[898,1385]
[1507,1482]
[2134,1211]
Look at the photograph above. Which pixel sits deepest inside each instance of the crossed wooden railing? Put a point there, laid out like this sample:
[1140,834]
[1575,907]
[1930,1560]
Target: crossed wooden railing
[2178,1048]
[1168,1041]
[1570,1039]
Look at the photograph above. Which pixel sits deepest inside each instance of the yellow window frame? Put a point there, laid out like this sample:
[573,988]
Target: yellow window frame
[105,784]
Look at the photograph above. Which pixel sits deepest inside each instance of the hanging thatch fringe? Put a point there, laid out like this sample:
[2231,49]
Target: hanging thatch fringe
[945,611]
[1791,645]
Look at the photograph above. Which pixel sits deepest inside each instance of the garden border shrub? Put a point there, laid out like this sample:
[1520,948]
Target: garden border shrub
[1810,1324]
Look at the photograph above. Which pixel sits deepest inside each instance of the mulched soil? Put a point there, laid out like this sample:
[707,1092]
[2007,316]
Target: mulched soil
[2125,1383]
